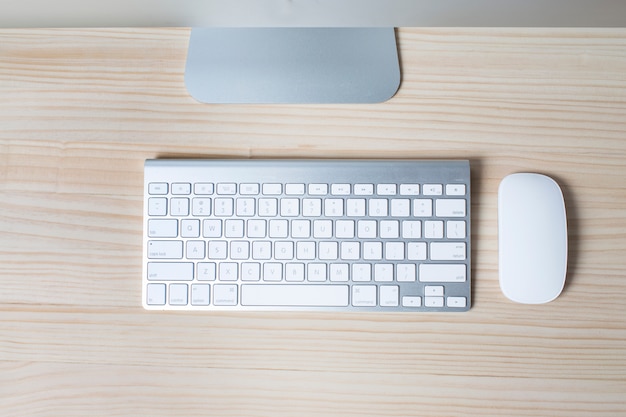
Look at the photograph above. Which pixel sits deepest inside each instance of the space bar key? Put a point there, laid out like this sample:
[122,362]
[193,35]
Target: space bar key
[297,295]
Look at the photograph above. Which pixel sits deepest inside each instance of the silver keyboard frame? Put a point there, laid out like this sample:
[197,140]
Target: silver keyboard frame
[315,171]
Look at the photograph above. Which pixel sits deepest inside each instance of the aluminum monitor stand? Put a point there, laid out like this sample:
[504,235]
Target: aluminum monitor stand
[292,65]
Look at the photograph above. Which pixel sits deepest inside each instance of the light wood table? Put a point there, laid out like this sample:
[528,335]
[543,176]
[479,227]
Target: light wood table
[80,111]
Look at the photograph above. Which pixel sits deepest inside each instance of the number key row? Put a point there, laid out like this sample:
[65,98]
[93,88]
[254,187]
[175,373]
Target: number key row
[307,207]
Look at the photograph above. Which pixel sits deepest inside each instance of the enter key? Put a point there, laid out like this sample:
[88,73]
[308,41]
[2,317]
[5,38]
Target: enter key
[447,251]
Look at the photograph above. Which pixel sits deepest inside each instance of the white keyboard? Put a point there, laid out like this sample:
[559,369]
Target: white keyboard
[306,235]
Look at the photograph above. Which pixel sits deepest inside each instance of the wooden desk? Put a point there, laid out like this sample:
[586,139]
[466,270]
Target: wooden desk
[80,110]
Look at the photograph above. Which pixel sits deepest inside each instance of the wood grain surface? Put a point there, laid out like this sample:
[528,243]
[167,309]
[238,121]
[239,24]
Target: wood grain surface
[80,111]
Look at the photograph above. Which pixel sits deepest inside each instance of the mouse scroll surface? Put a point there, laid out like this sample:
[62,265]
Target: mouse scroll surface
[532,238]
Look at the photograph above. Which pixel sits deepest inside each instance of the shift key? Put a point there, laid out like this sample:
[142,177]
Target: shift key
[442,273]
[170,271]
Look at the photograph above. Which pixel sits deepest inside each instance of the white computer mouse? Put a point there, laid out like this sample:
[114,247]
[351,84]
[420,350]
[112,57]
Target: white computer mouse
[532,238]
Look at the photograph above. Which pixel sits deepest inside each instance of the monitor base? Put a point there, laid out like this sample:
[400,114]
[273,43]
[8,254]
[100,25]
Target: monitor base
[292,65]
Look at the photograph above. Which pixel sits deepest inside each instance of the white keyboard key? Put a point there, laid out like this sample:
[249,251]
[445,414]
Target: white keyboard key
[386,189]
[449,207]
[405,273]
[289,207]
[378,207]
[422,207]
[249,189]
[344,229]
[233,228]
[416,251]
[455,229]
[201,206]
[432,189]
[228,271]
[409,189]
[389,295]
[316,272]
[218,249]
[212,228]
[157,206]
[442,273]
[456,302]
[389,229]
[203,188]
[268,207]
[283,250]
[318,189]
[200,295]
[157,188]
[355,207]
[195,249]
[178,294]
[227,188]
[225,295]
[301,229]
[350,251]
[250,271]
[363,189]
[411,229]
[411,301]
[302,295]
[364,295]
[240,249]
[294,272]
[366,229]
[340,189]
[162,228]
[311,207]
[294,189]
[245,207]
[433,229]
[394,251]
[206,271]
[361,272]
[339,272]
[256,228]
[433,291]
[272,271]
[190,228]
[328,251]
[372,251]
[155,294]
[223,207]
[170,271]
[433,301]
[333,207]
[455,189]
[279,228]
[180,188]
[272,189]
[400,207]
[383,272]
[447,251]
[305,250]
[322,229]
[261,250]
[179,206]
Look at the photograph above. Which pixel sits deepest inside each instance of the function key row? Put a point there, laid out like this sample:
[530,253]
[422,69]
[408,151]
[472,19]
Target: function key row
[181,188]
